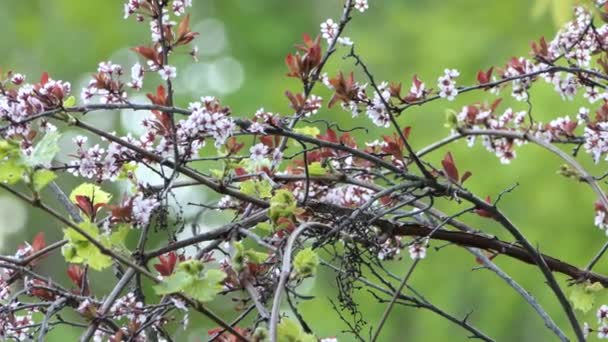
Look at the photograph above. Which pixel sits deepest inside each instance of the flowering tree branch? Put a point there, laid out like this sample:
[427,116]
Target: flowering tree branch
[299,188]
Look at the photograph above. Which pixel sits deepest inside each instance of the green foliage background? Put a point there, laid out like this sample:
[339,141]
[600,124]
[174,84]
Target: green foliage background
[398,39]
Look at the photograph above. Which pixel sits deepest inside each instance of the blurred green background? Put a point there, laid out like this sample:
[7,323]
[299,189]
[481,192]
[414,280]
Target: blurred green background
[243,44]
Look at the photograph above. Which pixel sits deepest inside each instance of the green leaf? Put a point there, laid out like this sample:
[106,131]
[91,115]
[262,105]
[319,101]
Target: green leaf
[308,130]
[264,229]
[289,330]
[305,263]
[219,174]
[206,288]
[261,189]
[118,237]
[174,283]
[192,267]
[80,250]
[316,169]
[244,256]
[45,150]
[282,204]
[69,102]
[203,288]
[8,149]
[42,178]
[93,257]
[11,171]
[583,295]
[125,170]
[91,191]
[595,287]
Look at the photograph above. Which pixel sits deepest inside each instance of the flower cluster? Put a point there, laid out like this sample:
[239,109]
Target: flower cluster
[130,308]
[143,209]
[20,104]
[98,163]
[208,118]
[390,249]
[447,84]
[106,84]
[575,41]
[350,196]
[595,132]
[15,327]
[329,30]
[143,8]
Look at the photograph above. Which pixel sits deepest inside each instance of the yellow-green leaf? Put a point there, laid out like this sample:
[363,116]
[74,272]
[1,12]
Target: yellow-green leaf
[305,263]
[583,295]
[79,249]
[42,178]
[308,130]
[69,102]
[92,191]
[11,171]
[316,169]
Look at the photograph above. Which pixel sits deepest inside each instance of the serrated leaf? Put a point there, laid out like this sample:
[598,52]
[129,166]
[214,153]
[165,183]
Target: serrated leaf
[192,267]
[42,178]
[244,256]
[174,283]
[582,299]
[80,250]
[595,287]
[91,191]
[8,149]
[252,187]
[264,229]
[203,288]
[206,288]
[289,330]
[118,237]
[11,171]
[316,169]
[45,150]
[93,257]
[305,263]
[282,204]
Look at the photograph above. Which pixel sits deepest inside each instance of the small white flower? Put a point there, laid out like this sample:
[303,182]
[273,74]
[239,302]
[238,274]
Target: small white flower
[361,5]
[417,251]
[167,72]
[602,332]
[17,79]
[602,313]
[137,76]
[346,41]
[258,152]
[329,29]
